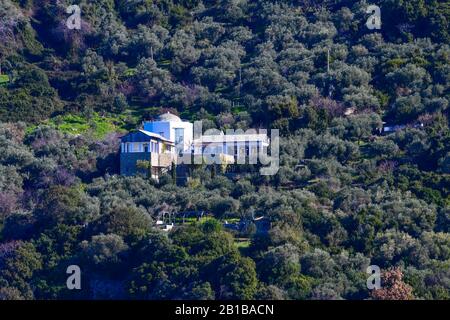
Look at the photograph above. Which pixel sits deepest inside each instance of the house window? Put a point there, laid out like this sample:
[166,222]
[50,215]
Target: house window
[241,151]
[155,147]
[179,136]
[146,148]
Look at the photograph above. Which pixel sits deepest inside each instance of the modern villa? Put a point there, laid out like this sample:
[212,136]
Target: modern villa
[170,140]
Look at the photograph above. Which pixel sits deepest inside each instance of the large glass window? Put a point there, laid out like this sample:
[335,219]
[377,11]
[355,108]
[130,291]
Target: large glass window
[155,147]
[179,136]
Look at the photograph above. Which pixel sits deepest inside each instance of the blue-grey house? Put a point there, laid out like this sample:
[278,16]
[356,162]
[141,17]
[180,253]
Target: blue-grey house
[145,146]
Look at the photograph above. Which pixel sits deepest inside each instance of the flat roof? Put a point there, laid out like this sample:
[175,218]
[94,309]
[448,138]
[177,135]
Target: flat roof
[232,138]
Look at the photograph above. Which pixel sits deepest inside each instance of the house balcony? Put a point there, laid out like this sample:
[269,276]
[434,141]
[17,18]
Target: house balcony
[163,160]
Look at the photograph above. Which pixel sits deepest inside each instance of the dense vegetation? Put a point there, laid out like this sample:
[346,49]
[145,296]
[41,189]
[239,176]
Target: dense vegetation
[344,198]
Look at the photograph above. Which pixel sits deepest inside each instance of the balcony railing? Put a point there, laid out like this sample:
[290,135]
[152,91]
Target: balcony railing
[163,159]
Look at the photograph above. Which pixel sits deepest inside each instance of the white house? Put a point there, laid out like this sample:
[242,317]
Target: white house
[171,127]
[170,140]
[237,146]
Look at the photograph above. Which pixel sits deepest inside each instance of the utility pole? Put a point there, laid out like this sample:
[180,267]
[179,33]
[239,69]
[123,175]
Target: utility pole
[330,85]
[240,82]
[328,61]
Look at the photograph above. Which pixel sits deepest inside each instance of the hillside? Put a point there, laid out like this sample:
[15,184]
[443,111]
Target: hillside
[346,196]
